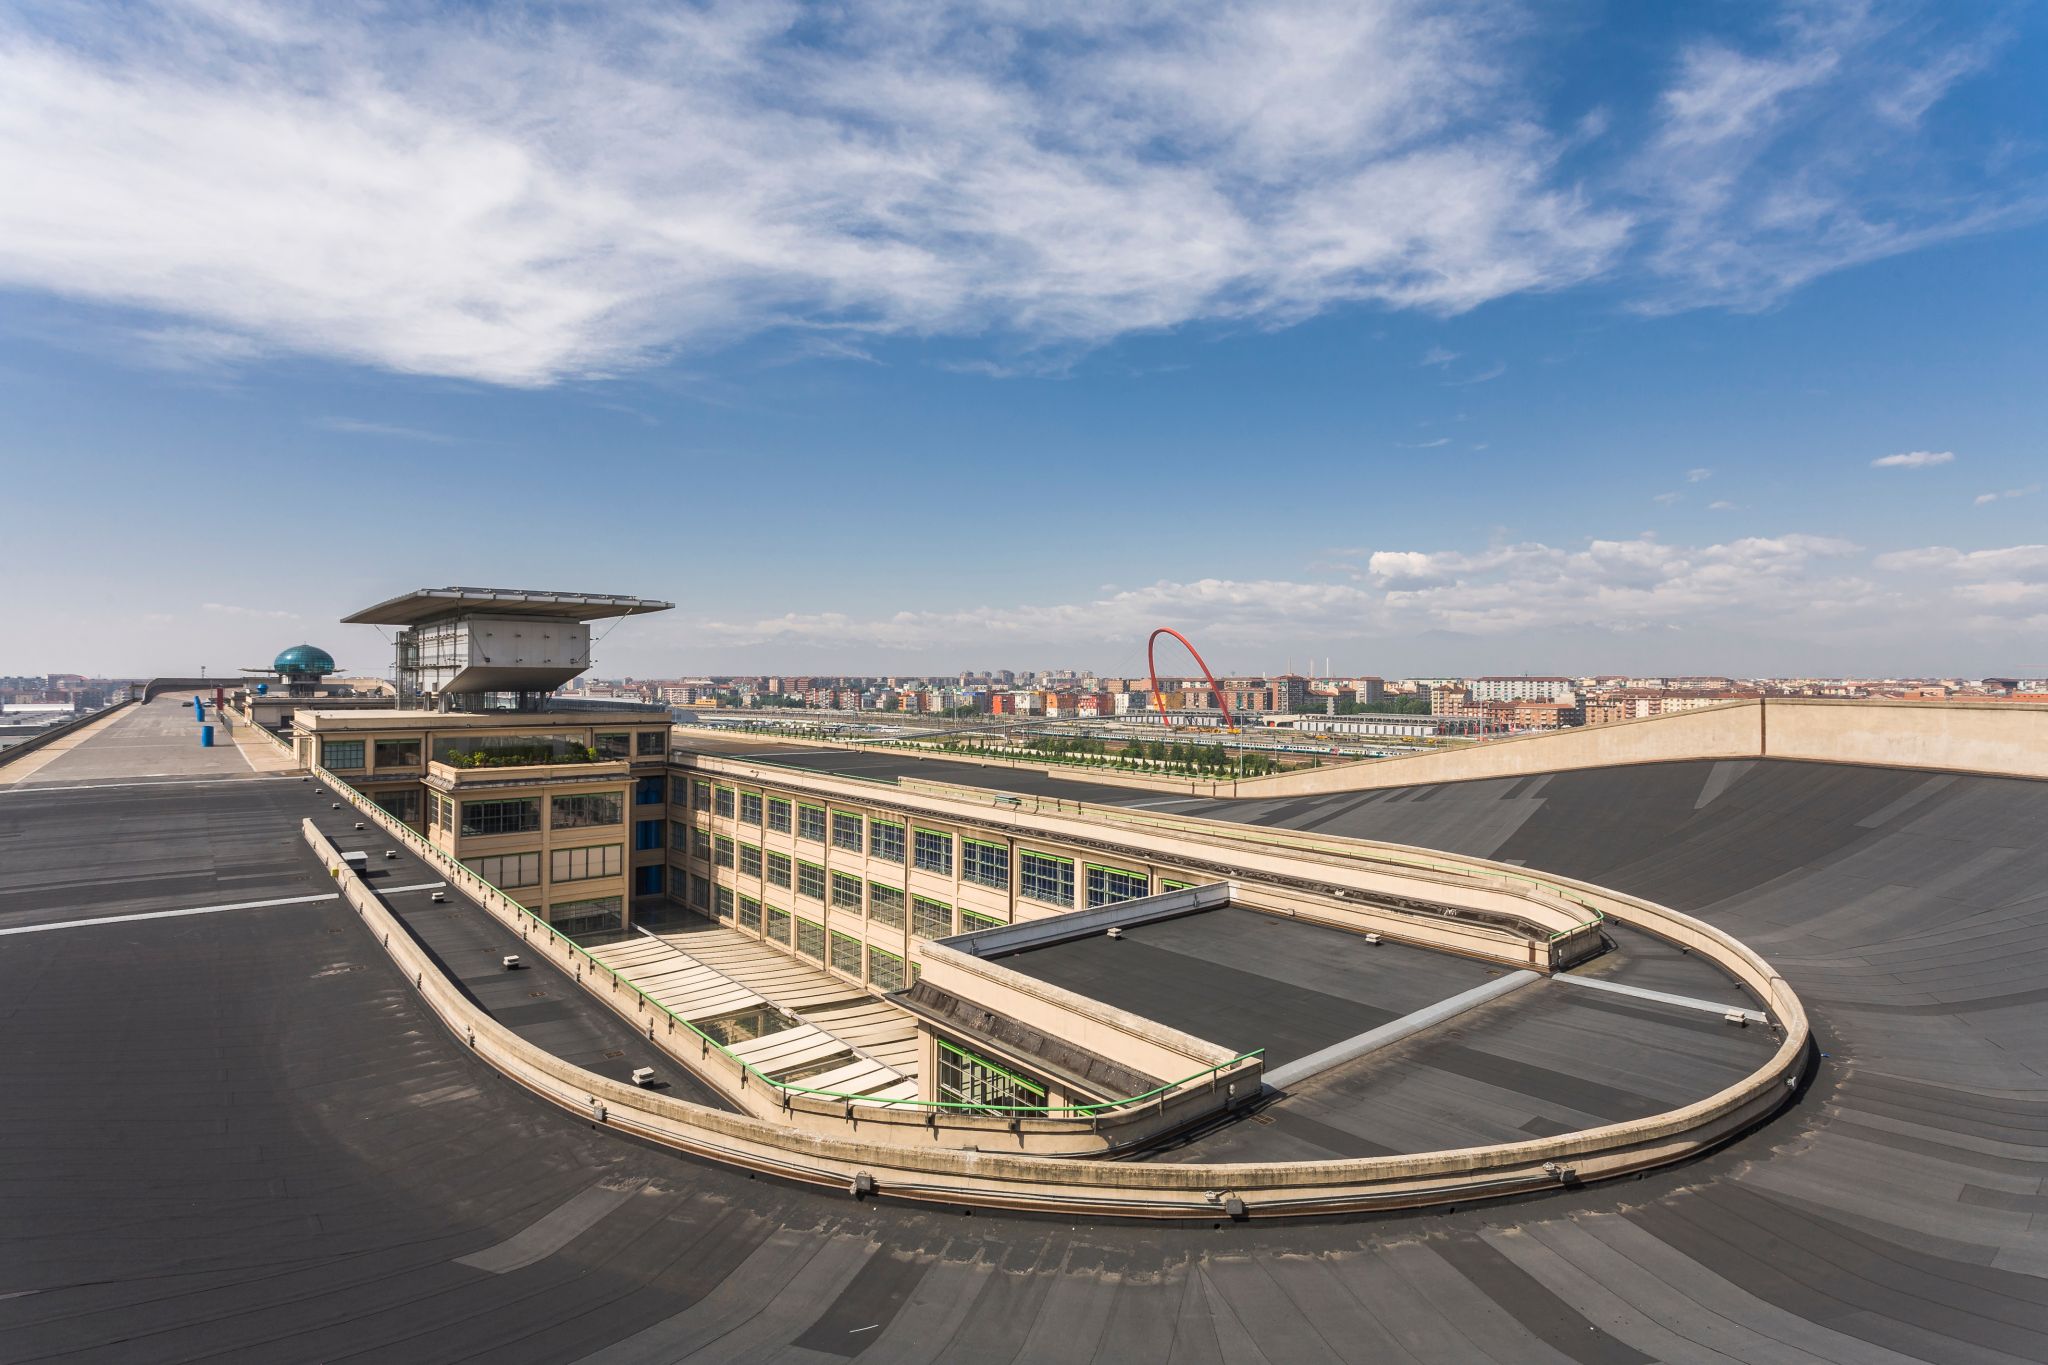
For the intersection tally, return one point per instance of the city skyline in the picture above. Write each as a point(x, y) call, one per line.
point(1605, 338)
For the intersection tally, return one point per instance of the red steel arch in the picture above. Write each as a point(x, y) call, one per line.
point(1152, 667)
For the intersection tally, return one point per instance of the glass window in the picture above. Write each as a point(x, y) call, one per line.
point(810, 881)
point(647, 834)
point(610, 746)
point(985, 864)
point(846, 831)
point(400, 805)
point(721, 898)
point(647, 880)
point(722, 851)
point(501, 817)
point(933, 852)
point(652, 742)
point(750, 861)
point(885, 970)
point(1165, 885)
point(750, 913)
point(885, 905)
point(581, 812)
point(507, 871)
point(509, 751)
point(750, 808)
point(700, 795)
point(700, 892)
point(678, 834)
point(778, 869)
point(398, 753)
point(810, 939)
point(846, 954)
point(778, 925)
point(778, 815)
point(930, 918)
point(885, 841)
point(581, 864)
point(587, 917)
point(650, 791)
point(971, 1079)
point(1113, 885)
point(723, 803)
point(971, 920)
point(1042, 877)
point(846, 892)
point(700, 844)
point(679, 792)
point(810, 823)
point(341, 753)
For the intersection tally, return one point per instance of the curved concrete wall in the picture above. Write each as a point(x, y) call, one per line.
point(1995, 738)
point(1017, 1180)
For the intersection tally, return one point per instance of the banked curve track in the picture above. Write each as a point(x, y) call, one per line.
point(320, 1173)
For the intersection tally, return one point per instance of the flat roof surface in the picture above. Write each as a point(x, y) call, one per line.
point(1250, 980)
point(247, 1139)
point(423, 604)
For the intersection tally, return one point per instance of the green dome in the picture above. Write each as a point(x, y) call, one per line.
point(305, 659)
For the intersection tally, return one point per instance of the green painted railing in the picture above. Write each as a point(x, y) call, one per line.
point(454, 868)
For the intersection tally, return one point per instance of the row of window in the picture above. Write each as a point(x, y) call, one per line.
point(521, 815)
point(846, 953)
point(510, 871)
point(344, 755)
point(1042, 877)
point(885, 905)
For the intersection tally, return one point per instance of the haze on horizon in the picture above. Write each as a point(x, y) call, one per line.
point(1430, 338)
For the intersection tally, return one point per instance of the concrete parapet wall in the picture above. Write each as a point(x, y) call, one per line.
point(2002, 739)
point(43, 738)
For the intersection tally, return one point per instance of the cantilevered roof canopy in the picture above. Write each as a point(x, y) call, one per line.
point(426, 604)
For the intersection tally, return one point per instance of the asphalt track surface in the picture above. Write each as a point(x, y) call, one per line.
point(236, 1136)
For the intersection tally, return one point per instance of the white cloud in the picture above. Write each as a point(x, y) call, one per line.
point(350, 426)
point(530, 194)
point(1970, 564)
point(257, 613)
point(1613, 586)
point(1668, 499)
point(1424, 445)
point(1984, 499)
point(1721, 505)
point(1437, 355)
point(522, 194)
point(1802, 150)
point(1698, 475)
point(1485, 376)
point(1914, 459)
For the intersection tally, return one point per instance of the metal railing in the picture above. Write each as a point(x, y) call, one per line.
point(456, 870)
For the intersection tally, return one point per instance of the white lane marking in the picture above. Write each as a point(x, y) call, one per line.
point(169, 914)
point(206, 909)
point(1662, 997)
point(26, 786)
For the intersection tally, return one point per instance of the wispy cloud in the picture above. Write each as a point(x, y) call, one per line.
point(1983, 499)
point(352, 427)
point(1424, 445)
point(1721, 505)
point(1668, 499)
point(1804, 150)
point(1437, 355)
point(521, 194)
point(1914, 459)
point(254, 613)
point(1698, 475)
point(1487, 375)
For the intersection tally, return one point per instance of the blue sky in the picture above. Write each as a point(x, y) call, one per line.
point(1424, 338)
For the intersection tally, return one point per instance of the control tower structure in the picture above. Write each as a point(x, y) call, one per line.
point(492, 649)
